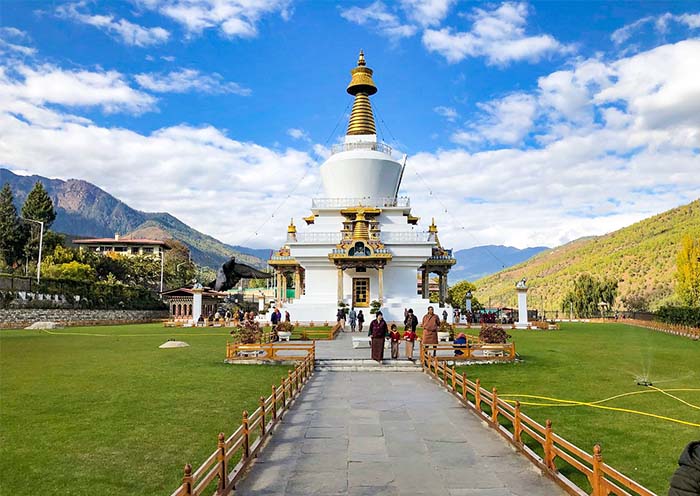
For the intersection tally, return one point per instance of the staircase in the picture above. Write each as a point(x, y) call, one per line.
point(364, 365)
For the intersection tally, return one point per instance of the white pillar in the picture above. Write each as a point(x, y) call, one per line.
point(196, 303)
point(522, 306)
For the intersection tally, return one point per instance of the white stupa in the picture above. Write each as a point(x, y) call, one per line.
point(361, 243)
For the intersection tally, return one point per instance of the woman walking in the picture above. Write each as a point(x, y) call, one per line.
point(360, 320)
point(430, 325)
point(378, 330)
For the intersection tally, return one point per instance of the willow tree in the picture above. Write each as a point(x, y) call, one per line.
point(688, 272)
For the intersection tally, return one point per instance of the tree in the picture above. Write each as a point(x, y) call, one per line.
point(688, 272)
point(587, 293)
point(457, 295)
point(74, 271)
point(39, 206)
point(13, 236)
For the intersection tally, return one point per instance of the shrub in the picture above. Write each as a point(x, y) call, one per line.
point(670, 314)
point(493, 335)
point(285, 327)
point(248, 332)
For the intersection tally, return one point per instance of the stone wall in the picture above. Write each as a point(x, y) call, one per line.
point(22, 317)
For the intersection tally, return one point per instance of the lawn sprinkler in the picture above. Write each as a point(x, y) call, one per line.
point(644, 381)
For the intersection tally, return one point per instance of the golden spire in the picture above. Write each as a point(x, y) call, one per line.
point(433, 227)
point(361, 87)
point(360, 229)
point(291, 229)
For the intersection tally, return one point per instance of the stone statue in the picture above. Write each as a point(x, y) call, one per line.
point(231, 272)
point(521, 284)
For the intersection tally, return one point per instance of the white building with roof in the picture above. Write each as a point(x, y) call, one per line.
point(361, 242)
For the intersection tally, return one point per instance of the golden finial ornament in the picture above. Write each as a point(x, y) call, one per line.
point(361, 87)
point(292, 229)
point(361, 228)
point(433, 227)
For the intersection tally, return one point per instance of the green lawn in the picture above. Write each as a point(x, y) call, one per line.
point(112, 413)
point(591, 362)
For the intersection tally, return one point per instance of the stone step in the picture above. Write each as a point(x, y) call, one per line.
point(364, 365)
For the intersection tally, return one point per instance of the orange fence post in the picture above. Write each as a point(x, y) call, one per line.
point(464, 386)
point(262, 417)
point(187, 480)
point(454, 380)
point(290, 380)
point(422, 358)
point(516, 424)
point(284, 393)
point(274, 402)
point(549, 446)
point(597, 475)
point(221, 458)
point(494, 406)
point(477, 395)
point(246, 439)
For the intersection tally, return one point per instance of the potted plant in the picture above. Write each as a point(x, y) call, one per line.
point(284, 331)
point(445, 333)
point(374, 306)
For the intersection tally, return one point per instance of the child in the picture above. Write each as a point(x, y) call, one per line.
point(410, 337)
point(460, 342)
point(395, 337)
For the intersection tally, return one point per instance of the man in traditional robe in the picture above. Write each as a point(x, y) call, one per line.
point(430, 325)
point(378, 330)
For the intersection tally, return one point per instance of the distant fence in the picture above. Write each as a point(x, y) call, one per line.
point(604, 479)
point(675, 329)
point(233, 455)
point(269, 351)
point(470, 351)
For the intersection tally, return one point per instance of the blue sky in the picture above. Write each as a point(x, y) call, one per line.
point(525, 123)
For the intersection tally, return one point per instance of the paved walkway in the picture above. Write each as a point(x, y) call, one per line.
point(364, 433)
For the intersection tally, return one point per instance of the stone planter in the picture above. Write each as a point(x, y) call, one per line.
point(284, 336)
point(443, 336)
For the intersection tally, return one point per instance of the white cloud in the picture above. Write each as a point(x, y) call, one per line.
point(126, 31)
point(427, 12)
point(504, 121)
point(16, 35)
point(448, 113)
point(186, 80)
point(660, 24)
point(234, 18)
point(378, 17)
point(47, 84)
point(499, 35)
point(298, 134)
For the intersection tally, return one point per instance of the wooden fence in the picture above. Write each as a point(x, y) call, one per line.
point(280, 351)
point(604, 479)
point(675, 329)
point(218, 474)
point(473, 350)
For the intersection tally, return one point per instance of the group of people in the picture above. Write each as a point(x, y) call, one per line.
point(276, 317)
point(356, 320)
point(379, 332)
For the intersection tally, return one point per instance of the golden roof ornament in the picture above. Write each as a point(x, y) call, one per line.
point(361, 87)
point(291, 229)
point(433, 228)
point(360, 229)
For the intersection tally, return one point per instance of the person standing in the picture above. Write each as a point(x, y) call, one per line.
point(410, 337)
point(444, 315)
point(352, 319)
point(378, 330)
point(394, 337)
point(360, 320)
point(340, 317)
point(275, 318)
point(430, 325)
point(287, 317)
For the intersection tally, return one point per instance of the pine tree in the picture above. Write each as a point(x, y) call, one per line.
point(39, 206)
point(688, 272)
point(12, 233)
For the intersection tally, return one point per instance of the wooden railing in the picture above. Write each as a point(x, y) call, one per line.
point(604, 479)
point(279, 351)
point(470, 351)
point(218, 474)
point(675, 329)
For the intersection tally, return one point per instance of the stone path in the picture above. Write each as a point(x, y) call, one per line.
point(364, 433)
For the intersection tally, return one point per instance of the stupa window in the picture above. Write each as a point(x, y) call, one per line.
point(359, 250)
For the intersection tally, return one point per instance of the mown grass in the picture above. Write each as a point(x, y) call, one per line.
point(111, 413)
point(591, 362)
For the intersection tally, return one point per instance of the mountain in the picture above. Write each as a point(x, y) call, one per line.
point(641, 257)
point(481, 261)
point(83, 209)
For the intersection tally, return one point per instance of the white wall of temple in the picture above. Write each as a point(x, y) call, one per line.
point(360, 173)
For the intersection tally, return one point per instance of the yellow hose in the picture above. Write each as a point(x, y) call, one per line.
point(123, 335)
point(596, 404)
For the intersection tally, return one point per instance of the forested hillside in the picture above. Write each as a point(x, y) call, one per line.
point(641, 257)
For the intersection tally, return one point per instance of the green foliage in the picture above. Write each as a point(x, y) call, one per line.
point(374, 306)
point(12, 234)
point(39, 206)
point(636, 302)
point(457, 295)
point(688, 271)
point(588, 293)
point(689, 316)
point(74, 271)
point(257, 283)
